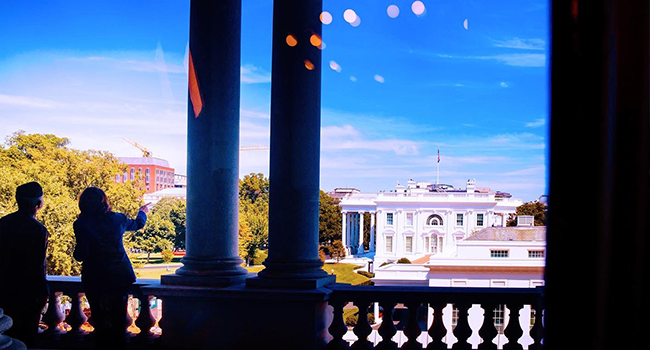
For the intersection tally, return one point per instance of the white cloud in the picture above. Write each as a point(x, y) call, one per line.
point(29, 102)
point(513, 59)
point(537, 123)
point(522, 44)
point(347, 137)
point(379, 78)
point(251, 74)
point(504, 84)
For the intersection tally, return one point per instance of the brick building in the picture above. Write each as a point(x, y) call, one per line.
point(156, 172)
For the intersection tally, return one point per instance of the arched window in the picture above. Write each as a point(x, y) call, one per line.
point(434, 220)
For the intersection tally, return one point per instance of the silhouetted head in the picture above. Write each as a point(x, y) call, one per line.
point(29, 197)
point(93, 202)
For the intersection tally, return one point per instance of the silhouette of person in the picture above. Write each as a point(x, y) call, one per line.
point(23, 245)
point(106, 271)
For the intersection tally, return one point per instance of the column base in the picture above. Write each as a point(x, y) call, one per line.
point(240, 318)
point(305, 274)
point(206, 280)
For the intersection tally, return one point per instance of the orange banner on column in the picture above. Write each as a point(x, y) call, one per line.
point(195, 93)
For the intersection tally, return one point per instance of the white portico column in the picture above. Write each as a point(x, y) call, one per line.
point(371, 246)
point(360, 250)
point(503, 219)
point(344, 221)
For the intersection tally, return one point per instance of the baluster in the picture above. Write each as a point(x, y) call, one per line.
point(76, 318)
point(129, 320)
point(338, 328)
point(462, 332)
point(513, 331)
point(53, 316)
point(537, 332)
point(145, 319)
point(437, 330)
point(387, 329)
point(412, 330)
point(362, 329)
point(488, 331)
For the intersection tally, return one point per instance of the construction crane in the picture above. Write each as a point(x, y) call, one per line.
point(145, 152)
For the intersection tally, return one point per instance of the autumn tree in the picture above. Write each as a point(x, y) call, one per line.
point(536, 209)
point(337, 250)
point(64, 173)
point(254, 211)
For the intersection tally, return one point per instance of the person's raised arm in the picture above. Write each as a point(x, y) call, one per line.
point(140, 220)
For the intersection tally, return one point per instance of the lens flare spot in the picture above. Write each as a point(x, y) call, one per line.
point(291, 40)
point(379, 78)
point(326, 17)
point(465, 24)
point(353, 78)
point(418, 8)
point(356, 22)
point(315, 40)
point(335, 66)
point(393, 11)
point(309, 65)
point(349, 15)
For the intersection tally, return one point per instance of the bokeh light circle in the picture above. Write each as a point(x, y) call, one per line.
point(291, 40)
point(326, 17)
point(356, 22)
point(418, 7)
point(315, 40)
point(393, 11)
point(350, 16)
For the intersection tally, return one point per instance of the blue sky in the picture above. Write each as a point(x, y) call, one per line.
point(99, 71)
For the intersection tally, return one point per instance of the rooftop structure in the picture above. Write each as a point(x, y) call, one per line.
point(156, 172)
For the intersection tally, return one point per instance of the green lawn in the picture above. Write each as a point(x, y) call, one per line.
point(344, 272)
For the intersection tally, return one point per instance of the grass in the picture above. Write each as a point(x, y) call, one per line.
point(344, 272)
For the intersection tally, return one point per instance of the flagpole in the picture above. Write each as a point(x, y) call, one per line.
point(438, 173)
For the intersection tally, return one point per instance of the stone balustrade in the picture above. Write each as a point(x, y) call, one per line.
point(413, 298)
point(67, 331)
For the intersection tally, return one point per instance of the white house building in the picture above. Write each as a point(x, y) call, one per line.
point(421, 219)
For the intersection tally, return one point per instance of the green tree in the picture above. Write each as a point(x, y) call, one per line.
point(536, 209)
point(329, 221)
point(156, 236)
point(253, 187)
point(254, 211)
point(63, 173)
point(174, 210)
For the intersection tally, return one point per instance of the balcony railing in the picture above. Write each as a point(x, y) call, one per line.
point(68, 331)
point(436, 298)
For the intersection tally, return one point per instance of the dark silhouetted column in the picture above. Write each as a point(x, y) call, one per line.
point(295, 147)
point(213, 146)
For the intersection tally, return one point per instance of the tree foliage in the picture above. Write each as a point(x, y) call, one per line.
point(536, 209)
point(329, 223)
point(253, 215)
point(158, 235)
point(63, 173)
point(337, 250)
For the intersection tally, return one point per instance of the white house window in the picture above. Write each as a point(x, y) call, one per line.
point(389, 218)
point(440, 241)
point(499, 319)
point(535, 253)
point(499, 253)
point(132, 173)
point(434, 245)
point(408, 244)
point(426, 244)
point(147, 175)
point(389, 244)
point(459, 219)
point(409, 219)
point(434, 220)
point(479, 219)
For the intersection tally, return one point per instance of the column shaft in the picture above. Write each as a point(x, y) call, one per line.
point(213, 140)
point(360, 250)
point(371, 246)
point(295, 143)
point(344, 232)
